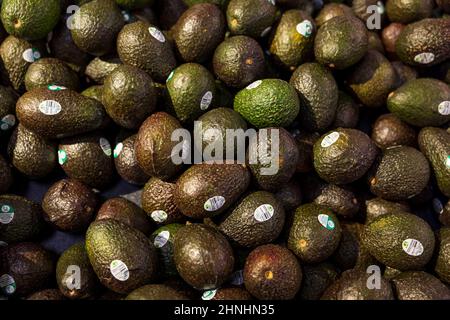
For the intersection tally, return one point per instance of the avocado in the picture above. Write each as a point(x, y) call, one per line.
point(340, 200)
point(8, 100)
point(272, 157)
point(134, 4)
point(56, 113)
point(84, 287)
point(20, 218)
point(372, 79)
point(87, 158)
point(163, 239)
point(127, 212)
point(305, 142)
point(154, 148)
point(32, 19)
point(318, 94)
point(30, 154)
point(232, 293)
point(159, 203)
point(99, 69)
point(47, 294)
point(129, 96)
point(404, 73)
point(155, 292)
point(253, 18)
point(331, 10)
point(27, 267)
point(316, 279)
point(126, 163)
point(272, 272)
point(96, 25)
point(419, 285)
point(389, 131)
point(95, 92)
point(343, 155)
point(144, 46)
point(424, 43)
point(239, 61)
point(400, 174)
point(6, 177)
point(206, 190)
point(315, 233)
point(293, 41)
point(442, 266)
point(435, 144)
point(258, 219)
point(421, 102)
point(212, 262)
point(289, 195)
point(198, 32)
point(341, 42)
point(191, 91)
point(377, 207)
point(389, 36)
point(122, 257)
point(401, 241)
point(347, 112)
point(268, 103)
point(409, 11)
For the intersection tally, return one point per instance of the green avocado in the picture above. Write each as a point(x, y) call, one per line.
point(50, 71)
point(389, 131)
point(409, 11)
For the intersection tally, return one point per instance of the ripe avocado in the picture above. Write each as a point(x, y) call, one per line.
point(156, 292)
point(50, 71)
point(347, 112)
point(442, 266)
point(390, 35)
point(419, 285)
point(316, 279)
point(340, 200)
point(98, 69)
point(331, 10)
point(377, 207)
point(389, 131)
point(6, 177)
point(409, 11)
point(163, 239)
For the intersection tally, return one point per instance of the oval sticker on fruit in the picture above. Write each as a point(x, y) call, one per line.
point(264, 212)
point(161, 239)
point(330, 139)
point(6, 214)
point(412, 247)
point(158, 35)
point(7, 284)
point(214, 203)
point(305, 28)
point(326, 221)
point(50, 107)
point(119, 270)
point(7, 122)
point(424, 58)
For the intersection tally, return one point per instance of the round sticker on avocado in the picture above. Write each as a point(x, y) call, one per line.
point(214, 203)
point(208, 295)
point(50, 107)
point(254, 85)
point(106, 146)
point(412, 247)
point(330, 139)
point(326, 221)
point(158, 35)
point(7, 284)
point(7, 122)
point(31, 55)
point(264, 212)
point(161, 239)
point(170, 76)
point(444, 108)
point(206, 100)
point(118, 149)
point(424, 58)
point(305, 28)
point(6, 214)
point(62, 157)
point(159, 216)
point(119, 270)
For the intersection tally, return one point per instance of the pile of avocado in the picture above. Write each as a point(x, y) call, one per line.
point(352, 98)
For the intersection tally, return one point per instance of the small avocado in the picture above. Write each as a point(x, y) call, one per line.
point(289, 195)
point(96, 25)
point(343, 155)
point(419, 285)
point(316, 279)
point(401, 241)
point(159, 203)
point(6, 177)
point(442, 266)
point(347, 112)
point(198, 32)
point(8, 99)
point(155, 292)
point(268, 103)
point(389, 36)
point(400, 174)
point(87, 285)
point(435, 144)
point(409, 11)
point(100, 68)
point(377, 207)
point(389, 131)
point(340, 200)
point(126, 211)
point(213, 261)
point(206, 190)
point(315, 233)
point(331, 10)
point(47, 295)
point(163, 239)
point(272, 272)
point(341, 42)
point(20, 218)
point(318, 94)
point(239, 61)
point(236, 294)
point(122, 257)
point(87, 158)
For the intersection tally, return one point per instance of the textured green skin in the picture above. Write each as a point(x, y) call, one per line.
point(213, 261)
point(166, 253)
point(417, 101)
point(318, 94)
point(50, 71)
point(127, 166)
point(8, 100)
point(36, 17)
point(94, 92)
point(30, 265)
point(384, 236)
point(76, 255)
point(153, 146)
point(156, 292)
point(331, 10)
point(288, 47)
point(27, 223)
point(340, 200)
point(6, 178)
point(372, 79)
point(189, 83)
point(408, 11)
point(242, 228)
point(352, 285)
point(198, 32)
point(274, 103)
point(108, 240)
point(243, 19)
point(159, 195)
point(347, 160)
point(86, 161)
point(127, 212)
point(137, 47)
point(419, 285)
point(232, 293)
point(442, 266)
point(98, 23)
point(285, 268)
point(427, 35)
point(32, 155)
point(388, 131)
point(202, 181)
point(287, 159)
point(316, 279)
point(72, 119)
point(341, 42)
point(134, 4)
point(129, 96)
point(377, 207)
point(435, 144)
point(47, 294)
point(320, 242)
point(98, 69)
point(347, 112)
point(239, 61)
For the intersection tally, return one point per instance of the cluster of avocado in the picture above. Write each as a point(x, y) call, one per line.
point(358, 92)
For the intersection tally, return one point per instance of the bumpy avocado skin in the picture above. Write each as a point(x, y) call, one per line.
point(155, 292)
point(419, 285)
